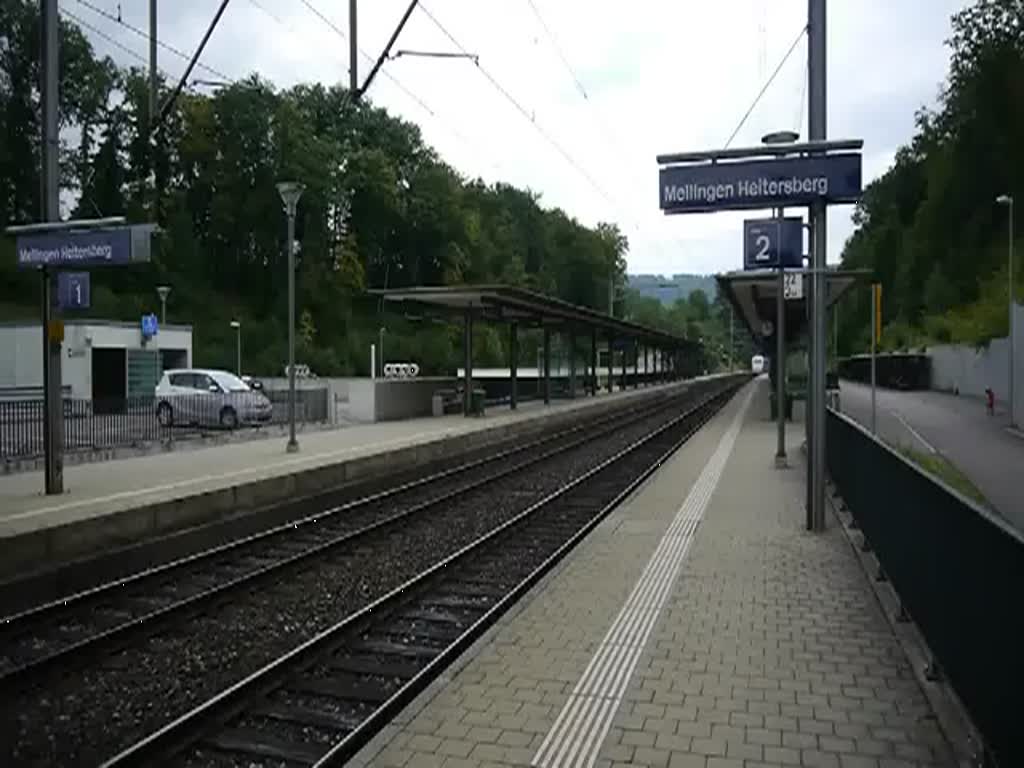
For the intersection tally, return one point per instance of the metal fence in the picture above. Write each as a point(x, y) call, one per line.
point(894, 370)
point(957, 568)
point(135, 421)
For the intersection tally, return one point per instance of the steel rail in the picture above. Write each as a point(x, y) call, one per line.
point(191, 726)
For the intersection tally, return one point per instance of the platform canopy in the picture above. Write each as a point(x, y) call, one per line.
point(502, 303)
point(754, 293)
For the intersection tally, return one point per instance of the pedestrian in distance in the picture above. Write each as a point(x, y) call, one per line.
point(990, 401)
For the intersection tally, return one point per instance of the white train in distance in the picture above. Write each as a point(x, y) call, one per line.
point(401, 370)
point(757, 363)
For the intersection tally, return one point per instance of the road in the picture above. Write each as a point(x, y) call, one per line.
point(979, 445)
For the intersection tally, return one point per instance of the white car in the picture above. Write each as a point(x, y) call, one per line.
point(208, 398)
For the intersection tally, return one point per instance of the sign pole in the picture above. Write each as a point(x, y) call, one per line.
point(53, 411)
point(780, 368)
point(817, 129)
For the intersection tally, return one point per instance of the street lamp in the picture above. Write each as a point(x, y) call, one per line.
point(381, 342)
point(163, 291)
point(238, 346)
point(1007, 200)
point(290, 192)
point(780, 137)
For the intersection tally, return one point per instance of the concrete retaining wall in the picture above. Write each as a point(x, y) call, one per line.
point(393, 399)
point(969, 370)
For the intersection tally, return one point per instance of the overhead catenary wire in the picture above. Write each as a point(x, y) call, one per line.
point(609, 135)
point(103, 35)
point(145, 36)
point(166, 108)
point(764, 88)
point(522, 110)
point(409, 93)
point(558, 50)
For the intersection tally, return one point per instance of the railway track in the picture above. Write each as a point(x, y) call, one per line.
point(75, 629)
point(319, 703)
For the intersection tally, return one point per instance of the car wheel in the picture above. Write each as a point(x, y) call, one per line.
point(228, 418)
point(165, 415)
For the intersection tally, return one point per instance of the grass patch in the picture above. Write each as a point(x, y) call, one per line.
point(936, 464)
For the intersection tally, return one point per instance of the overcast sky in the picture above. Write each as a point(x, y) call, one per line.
point(653, 76)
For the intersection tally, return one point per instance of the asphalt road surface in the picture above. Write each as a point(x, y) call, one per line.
point(979, 445)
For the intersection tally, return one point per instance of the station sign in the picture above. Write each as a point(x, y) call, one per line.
point(785, 181)
point(771, 243)
point(73, 290)
point(86, 248)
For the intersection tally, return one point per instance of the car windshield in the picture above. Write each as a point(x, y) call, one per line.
point(229, 382)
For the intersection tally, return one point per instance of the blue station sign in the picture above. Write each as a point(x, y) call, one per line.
point(770, 243)
point(786, 181)
point(85, 248)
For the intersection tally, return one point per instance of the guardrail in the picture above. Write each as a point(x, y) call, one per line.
point(134, 421)
point(958, 570)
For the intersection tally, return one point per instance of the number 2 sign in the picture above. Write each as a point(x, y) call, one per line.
point(767, 243)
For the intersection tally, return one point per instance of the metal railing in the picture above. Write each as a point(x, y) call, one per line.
point(135, 421)
point(958, 570)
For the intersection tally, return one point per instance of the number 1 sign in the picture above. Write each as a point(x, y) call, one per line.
point(73, 290)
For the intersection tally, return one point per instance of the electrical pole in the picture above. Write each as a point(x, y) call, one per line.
point(53, 406)
point(818, 131)
point(153, 104)
point(353, 49)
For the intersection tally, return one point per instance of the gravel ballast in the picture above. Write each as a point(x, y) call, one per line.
point(87, 715)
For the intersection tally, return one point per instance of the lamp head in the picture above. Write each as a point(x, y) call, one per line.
point(1004, 200)
point(780, 137)
point(163, 291)
point(235, 324)
point(290, 192)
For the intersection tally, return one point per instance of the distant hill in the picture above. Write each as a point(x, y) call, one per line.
point(668, 289)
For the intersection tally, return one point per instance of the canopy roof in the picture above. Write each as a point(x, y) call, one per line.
point(502, 303)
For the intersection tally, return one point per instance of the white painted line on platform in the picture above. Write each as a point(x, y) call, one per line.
point(576, 737)
point(193, 481)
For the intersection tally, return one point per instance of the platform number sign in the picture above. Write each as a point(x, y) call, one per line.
point(73, 290)
point(770, 243)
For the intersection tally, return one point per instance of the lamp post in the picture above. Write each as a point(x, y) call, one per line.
point(1007, 200)
point(163, 291)
point(290, 192)
point(238, 346)
point(380, 350)
point(780, 137)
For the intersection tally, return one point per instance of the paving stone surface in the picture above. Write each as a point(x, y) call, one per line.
point(770, 649)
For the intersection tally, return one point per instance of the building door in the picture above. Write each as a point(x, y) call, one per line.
point(108, 379)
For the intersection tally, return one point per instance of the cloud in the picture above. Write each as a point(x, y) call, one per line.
point(657, 77)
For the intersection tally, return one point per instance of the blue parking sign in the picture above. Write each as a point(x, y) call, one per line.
point(149, 326)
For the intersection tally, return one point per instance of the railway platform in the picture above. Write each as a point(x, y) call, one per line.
point(698, 626)
point(119, 502)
